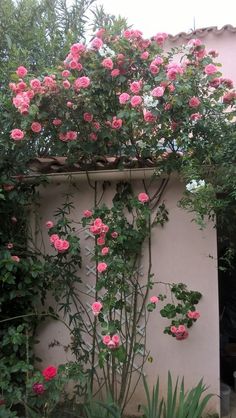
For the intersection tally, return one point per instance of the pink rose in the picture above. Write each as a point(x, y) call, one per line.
point(96, 308)
point(210, 69)
point(96, 43)
point(53, 238)
point(114, 234)
point(15, 258)
point(49, 224)
point(69, 104)
point(195, 116)
point(97, 126)
point(35, 84)
point(61, 245)
point(115, 72)
point(136, 101)
point(181, 328)
point(194, 102)
point(76, 49)
point(111, 344)
point(158, 60)
point(144, 55)
point(87, 213)
point(57, 122)
point(36, 127)
point(21, 85)
point(101, 267)
point(66, 84)
point(136, 86)
point(173, 329)
point(143, 197)
point(106, 339)
point(49, 373)
point(160, 38)
point(181, 336)
point(107, 63)
point(66, 73)
point(9, 245)
point(116, 123)
point(116, 339)
point(193, 314)
point(98, 222)
point(93, 136)
point(73, 64)
point(88, 117)
point(124, 98)
point(100, 32)
point(100, 241)
point(38, 388)
point(148, 116)
point(21, 71)
point(158, 91)
point(71, 135)
point(154, 69)
point(105, 250)
point(82, 82)
point(17, 134)
point(154, 299)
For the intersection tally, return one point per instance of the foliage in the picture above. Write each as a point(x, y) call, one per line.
point(178, 403)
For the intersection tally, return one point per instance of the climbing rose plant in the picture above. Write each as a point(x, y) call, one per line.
point(124, 96)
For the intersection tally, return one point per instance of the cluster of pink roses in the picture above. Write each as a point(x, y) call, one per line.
point(180, 332)
point(193, 314)
point(61, 245)
point(111, 342)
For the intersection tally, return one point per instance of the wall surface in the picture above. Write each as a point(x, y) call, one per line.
point(180, 253)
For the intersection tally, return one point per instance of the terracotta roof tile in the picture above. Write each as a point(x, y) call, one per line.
point(202, 32)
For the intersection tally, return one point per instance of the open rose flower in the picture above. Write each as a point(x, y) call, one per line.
point(36, 127)
point(154, 299)
point(124, 98)
point(105, 250)
point(143, 197)
point(194, 102)
point(17, 134)
point(15, 258)
point(96, 308)
point(38, 388)
point(87, 213)
point(193, 314)
point(49, 373)
point(49, 224)
point(61, 245)
point(101, 267)
point(21, 71)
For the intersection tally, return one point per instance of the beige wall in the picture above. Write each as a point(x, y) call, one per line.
point(181, 253)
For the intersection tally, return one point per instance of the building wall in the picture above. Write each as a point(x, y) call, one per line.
point(181, 252)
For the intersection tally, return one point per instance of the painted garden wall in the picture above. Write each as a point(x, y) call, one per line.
point(181, 252)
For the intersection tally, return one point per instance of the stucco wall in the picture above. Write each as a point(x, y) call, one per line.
point(180, 253)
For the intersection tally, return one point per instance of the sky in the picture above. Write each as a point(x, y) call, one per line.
point(172, 16)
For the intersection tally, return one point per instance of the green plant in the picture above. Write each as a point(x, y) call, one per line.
point(177, 403)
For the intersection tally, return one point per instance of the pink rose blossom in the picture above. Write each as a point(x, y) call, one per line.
point(96, 308)
point(111, 344)
point(158, 60)
point(93, 136)
point(82, 82)
point(158, 91)
point(106, 339)
point(144, 55)
point(49, 81)
point(107, 63)
point(36, 127)
point(96, 43)
point(98, 222)
point(87, 213)
point(114, 234)
point(195, 116)
point(148, 116)
point(96, 126)
point(100, 33)
point(181, 335)
point(101, 267)
point(66, 84)
point(136, 101)
point(154, 299)
point(181, 328)
point(115, 72)
point(71, 135)
point(124, 98)
point(21, 71)
point(76, 49)
point(88, 117)
point(17, 134)
point(61, 245)
point(21, 85)
point(105, 250)
point(193, 314)
point(136, 86)
point(210, 69)
point(53, 238)
point(57, 122)
point(66, 73)
point(49, 372)
point(194, 102)
point(160, 38)
point(101, 241)
point(9, 246)
point(38, 388)
point(49, 224)
point(35, 84)
point(154, 69)
point(173, 329)
point(15, 258)
point(116, 123)
point(143, 197)
point(73, 64)
point(69, 104)
point(116, 339)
